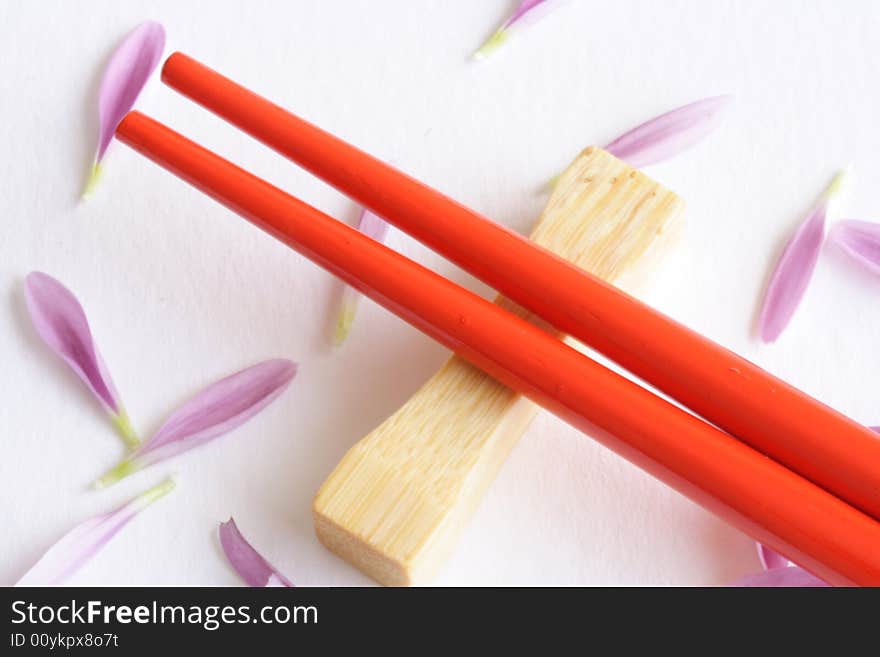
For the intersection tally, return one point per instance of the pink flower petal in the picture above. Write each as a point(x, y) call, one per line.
point(771, 559)
point(860, 240)
point(216, 410)
point(126, 74)
point(669, 134)
point(248, 563)
point(788, 576)
point(373, 226)
point(61, 322)
point(527, 13)
point(84, 541)
point(795, 267)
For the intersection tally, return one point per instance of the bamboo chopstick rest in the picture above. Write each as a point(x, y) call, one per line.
point(395, 505)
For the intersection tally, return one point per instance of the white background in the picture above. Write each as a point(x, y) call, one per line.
point(180, 292)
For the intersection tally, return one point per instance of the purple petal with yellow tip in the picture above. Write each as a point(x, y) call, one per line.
point(669, 134)
point(787, 576)
point(860, 240)
point(248, 563)
point(377, 228)
point(216, 410)
point(527, 13)
point(61, 322)
point(84, 541)
point(795, 267)
point(126, 74)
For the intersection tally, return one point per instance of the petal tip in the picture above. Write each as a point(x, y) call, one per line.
point(769, 329)
point(344, 324)
point(116, 474)
point(288, 369)
point(95, 176)
point(159, 490)
point(840, 184)
point(493, 43)
point(769, 338)
point(125, 429)
point(859, 241)
point(724, 101)
point(39, 282)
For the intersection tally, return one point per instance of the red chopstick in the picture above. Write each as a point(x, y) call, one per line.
point(774, 505)
point(733, 393)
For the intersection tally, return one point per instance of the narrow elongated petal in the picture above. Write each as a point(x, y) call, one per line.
point(787, 576)
point(61, 323)
point(85, 540)
point(860, 240)
point(527, 13)
point(216, 410)
point(248, 563)
point(375, 227)
point(795, 267)
point(771, 559)
point(669, 134)
point(127, 72)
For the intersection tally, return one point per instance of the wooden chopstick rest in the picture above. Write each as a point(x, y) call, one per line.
point(396, 504)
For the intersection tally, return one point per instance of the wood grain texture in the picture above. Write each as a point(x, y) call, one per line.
point(397, 502)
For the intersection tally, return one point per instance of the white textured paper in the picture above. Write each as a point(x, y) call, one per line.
point(180, 291)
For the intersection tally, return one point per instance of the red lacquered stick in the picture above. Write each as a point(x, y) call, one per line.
point(764, 411)
point(761, 497)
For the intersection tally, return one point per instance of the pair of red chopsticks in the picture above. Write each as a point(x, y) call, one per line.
point(789, 471)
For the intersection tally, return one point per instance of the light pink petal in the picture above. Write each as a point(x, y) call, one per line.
point(796, 265)
point(528, 12)
point(860, 240)
point(669, 134)
point(373, 226)
point(129, 68)
point(216, 410)
point(84, 541)
point(248, 563)
point(792, 275)
point(222, 406)
point(790, 576)
point(771, 559)
point(61, 322)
